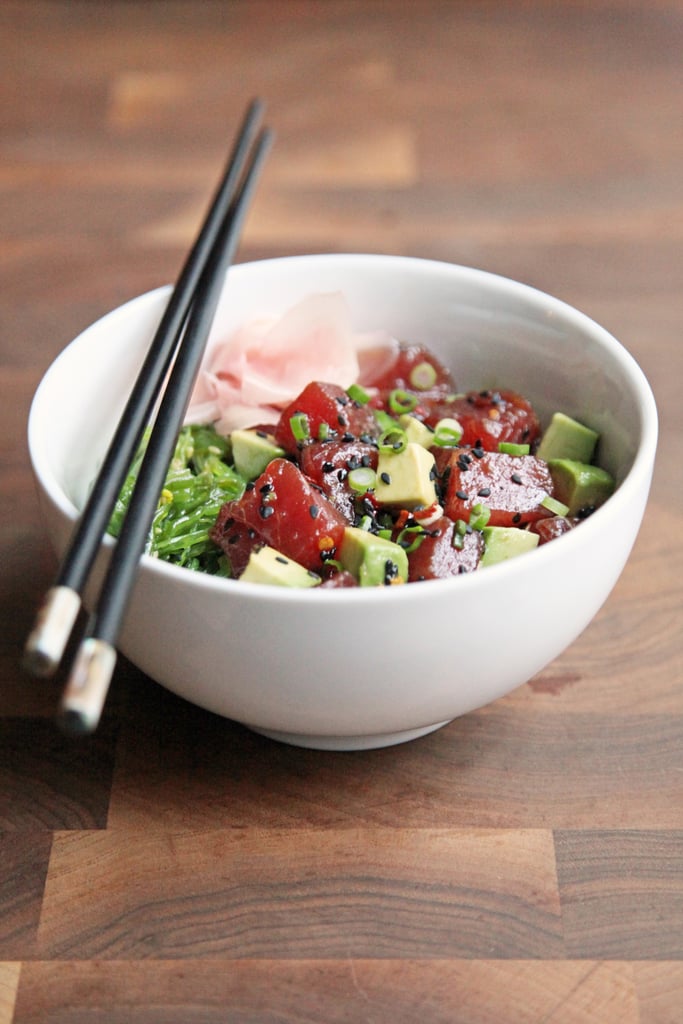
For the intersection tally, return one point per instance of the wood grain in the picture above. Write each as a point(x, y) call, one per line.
point(523, 864)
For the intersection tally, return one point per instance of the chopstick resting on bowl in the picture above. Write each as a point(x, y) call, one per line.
point(178, 345)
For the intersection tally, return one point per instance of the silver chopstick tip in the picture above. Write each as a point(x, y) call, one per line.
point(50, 634)
point(87, 687)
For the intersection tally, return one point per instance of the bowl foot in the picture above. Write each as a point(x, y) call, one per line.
point(369, 742)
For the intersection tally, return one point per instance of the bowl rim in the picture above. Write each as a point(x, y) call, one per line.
point(637, 476)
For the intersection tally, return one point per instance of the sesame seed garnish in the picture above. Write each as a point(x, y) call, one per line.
point(484, 492)
point(517, 517)
point(313, 511)
point(282, 559)
point(265, 511)
point(327, 467)
point(516, 478)
point(462, 495)
point(385, 478)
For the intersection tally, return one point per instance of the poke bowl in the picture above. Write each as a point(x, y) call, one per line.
point(366, 666)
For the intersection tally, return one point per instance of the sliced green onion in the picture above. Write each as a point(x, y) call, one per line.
point(299, 426)
point(401, 401)
point(358, 394)
point(447, 433)
point(461, 527)
point(554, 506)
point(458, 539)
point(365, 524)
point(323, 431)
point(479, 516)
point(362, 479)
point(384, 420)
point(384, 534)
point(392, 441)
point(423, 376)
point(508, 448)
point(413, 535)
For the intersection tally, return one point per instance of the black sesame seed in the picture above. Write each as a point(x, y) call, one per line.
point(341, 475)
point(265, 511)
point(353, 463)
point(327, 467)
point(348, 437)
point(366, 461)
point(517, 518)
point(341, 399)
point(250, 486)
point(385, 478)
point(251, 533)
point(261, 433)
point(282, 559)
point(266, 488)
point(313, 511)
point(484, 492)
point(462, 495)
point(516, 478)
point(342, 420)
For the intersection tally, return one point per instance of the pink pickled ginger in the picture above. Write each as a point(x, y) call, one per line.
point(248, 378)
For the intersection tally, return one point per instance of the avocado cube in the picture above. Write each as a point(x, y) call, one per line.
point(252, 450)
point(566, 438)
point(374, 561)
point(266, 565)
point(504, 542)
point(416, 431)
point(579, 485)
point(406, 479)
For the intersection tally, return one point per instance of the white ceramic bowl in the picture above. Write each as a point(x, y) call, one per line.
point(350, 669)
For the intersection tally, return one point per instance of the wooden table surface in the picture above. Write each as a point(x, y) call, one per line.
point(523, 864)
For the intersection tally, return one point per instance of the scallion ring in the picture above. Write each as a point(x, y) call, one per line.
point(299, 426)
point(401, 401)
point(392, 441)
point(362, 479)
point(447, 433)
point(358, 394)
point(414, 535)
point(479, 516)
point(508, 448)
point(423, 376)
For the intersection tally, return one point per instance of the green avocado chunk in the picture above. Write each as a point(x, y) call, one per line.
point(578, 485)
point(252, 450)
point(266, 565)
point(406, 479)
point(503, 542)
point(566, 438)
point(416, 431)
point(373, 560)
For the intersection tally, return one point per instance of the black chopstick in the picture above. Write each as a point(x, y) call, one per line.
point(95, 659)
point(57, 616)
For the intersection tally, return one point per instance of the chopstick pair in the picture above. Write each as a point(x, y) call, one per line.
point(178, 346)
